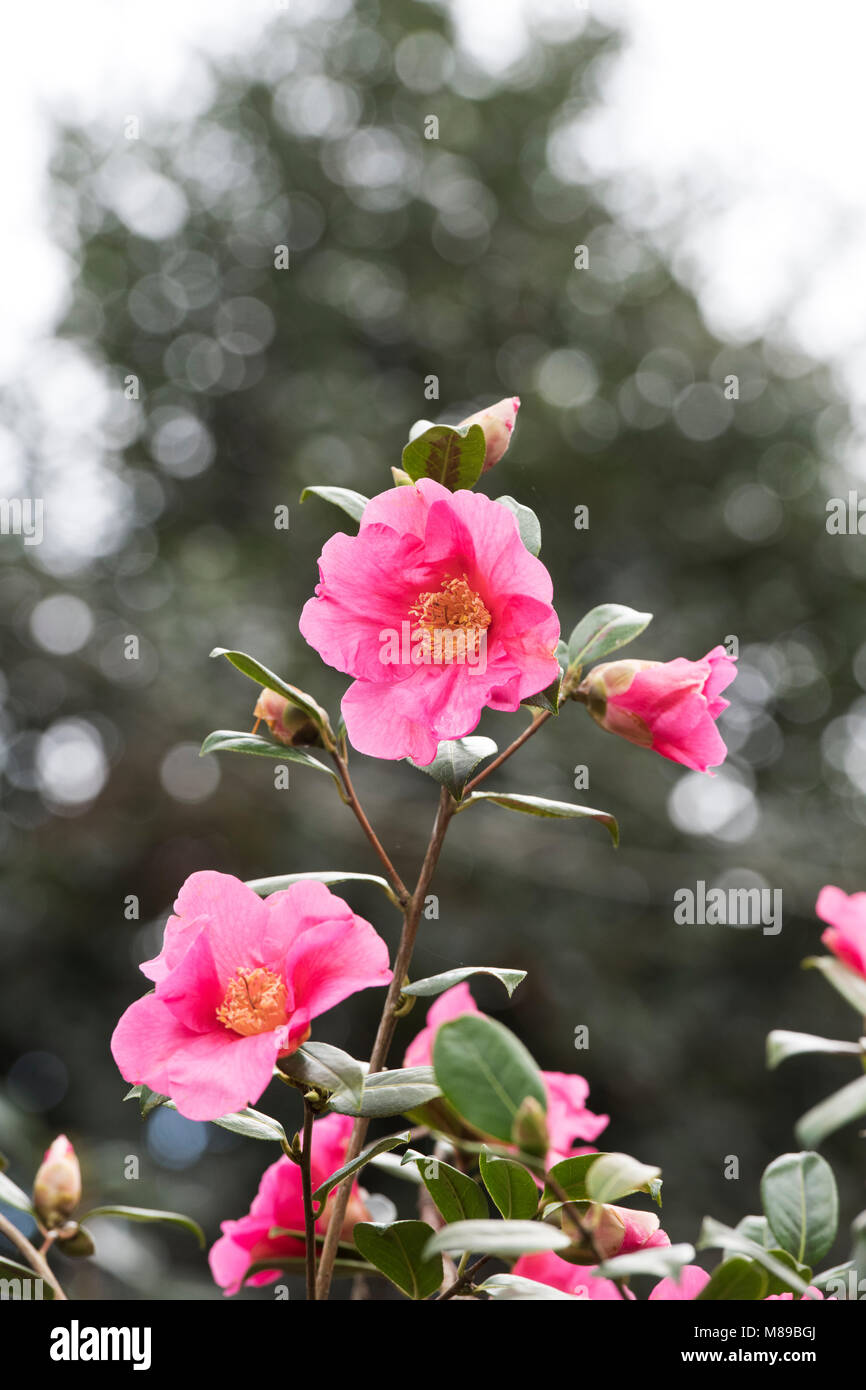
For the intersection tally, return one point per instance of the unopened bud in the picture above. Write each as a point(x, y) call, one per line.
point(57, 1187)
point(600, 688)
point(287, 723)
point(609, 1231)
point(529, 1130)
point(497, 422)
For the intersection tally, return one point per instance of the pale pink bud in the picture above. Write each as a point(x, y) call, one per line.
point(57, 1187)
point(287, 723)
point(497, 422)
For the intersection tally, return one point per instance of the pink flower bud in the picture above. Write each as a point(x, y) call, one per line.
point(846, 933)
point(614, 1231)
point(57, 1187)
point(497, 422)
point(669, 706)
point(287, 723)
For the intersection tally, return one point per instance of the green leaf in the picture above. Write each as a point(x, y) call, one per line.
point(852, 987)
point(831, 1114)
point(265, 886)
point(457, 1197)
point(527, 523)
point(804, 1272)
point(570, 1175)
point(485, 1073)
point(507, 1238)
point(841, 1273)
point(541, 806)
point(504, 1287)
point(616, 1175)
point(372, 1151)
point(262, 676)
point(353, 503)
point(13, 1196)
point(236, 741)
point(455, 761)
point(148, 1100)
point(755, 1228)
point(11, 1269)
point(296, 1264)
point(170, 1218)
point(513, 1189)
point(801, 1204)
point(662, 1262)
point(437, 984)
point(547, 699)
point(320, 1064)
point(252, 1124)
point(716, 1236)
point(604, 630)
point(398, 1250)
point(451, 455)
point(781, 1044)
point(737, 1278)
point(79, 1245)
point(388, 1093)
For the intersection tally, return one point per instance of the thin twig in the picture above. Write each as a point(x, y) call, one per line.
point(31, 1255)
point(309, 1214)
point(352, 798)
point(463, 1280)
point(540, 718)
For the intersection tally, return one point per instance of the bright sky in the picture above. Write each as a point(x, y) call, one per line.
point(742, 124)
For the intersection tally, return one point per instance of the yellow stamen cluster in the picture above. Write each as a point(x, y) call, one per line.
point(255, 1002)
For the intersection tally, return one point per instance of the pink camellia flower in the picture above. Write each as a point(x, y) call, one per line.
point(568, 1119)
point(57, 1185)
point(497, 422)
point(279, 1205)
point(692, 1279)
point(578, 1280)
point(439, 611)
point(238, 981)
point(846, 934)
point(623, 1230)
point(811, 1292)
point(669, 706)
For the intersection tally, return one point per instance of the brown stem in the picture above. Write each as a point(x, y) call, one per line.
point(387, 1025)
point(401, 890)
point(464, 1280)
point(309, 1214)
point(31, 1255)
point(570, 1210)
point(540, 718)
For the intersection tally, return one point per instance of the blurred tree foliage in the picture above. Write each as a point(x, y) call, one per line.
point(412, 258)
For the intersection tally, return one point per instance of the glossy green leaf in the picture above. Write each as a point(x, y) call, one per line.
point(352, 503)
point(570, 1175)
point(662, 1262)
point(604, 630)
point(777, 1285)
point(801, 1204)
point(364, 1157)
point(388, 1093)
point(506, 1238)
point(547, 699)
point(13, 1196)
point(320, 1064)
point(541, 806)
point(485, 1072)
point(831, 1114)
point(513, 1189)
point(505, 1287)
point(252, 1124)
point(527, 523)
point(235, 741)
point(451, 455)
point(148, 1100)
point(737, 1278)
point(437, 984)
point(398, 1251)
point(170, 1218)
point(716, 1236)
point(248, 666)
point(851, 986)
point(279, 882)
point(616, 1175)
point(781, 1044)
point(11, 1269)
point(457, 1197)
point(78, 1246)
point(455, 761)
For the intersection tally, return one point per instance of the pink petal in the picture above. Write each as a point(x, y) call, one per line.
point(325, 966)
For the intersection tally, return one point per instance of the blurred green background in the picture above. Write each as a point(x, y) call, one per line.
point(410, 258)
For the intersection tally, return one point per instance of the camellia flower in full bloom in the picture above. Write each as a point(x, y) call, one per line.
point(238, 981)
point(279, 1204)
point(669, 706)
point(438, 610)
point(568, 1119)
point(846, 934)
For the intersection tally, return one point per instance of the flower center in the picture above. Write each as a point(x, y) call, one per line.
point(254, 1003)
point(453, 605)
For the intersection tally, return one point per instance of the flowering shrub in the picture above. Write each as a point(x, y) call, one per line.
point(439, 608)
